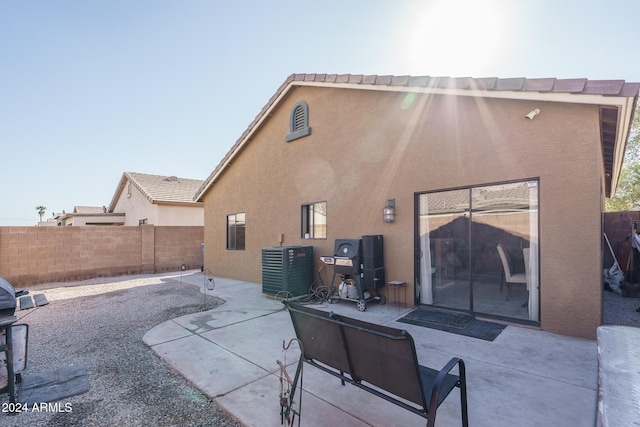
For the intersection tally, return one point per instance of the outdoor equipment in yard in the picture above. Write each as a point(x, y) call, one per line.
point(360, 265)
point(30, 389)
point(613, 276)
point(287, 271)
point(377, 359)
point(8, 297)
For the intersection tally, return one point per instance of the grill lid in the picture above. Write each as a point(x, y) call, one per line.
point(7, 298)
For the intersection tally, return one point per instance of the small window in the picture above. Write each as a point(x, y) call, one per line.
point(299, 122)
point(235, 232)
point(143, 221)
point(314, 221)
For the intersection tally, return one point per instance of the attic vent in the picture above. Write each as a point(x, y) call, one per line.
point(171, 178)
point(298, 122)
point(299, 117)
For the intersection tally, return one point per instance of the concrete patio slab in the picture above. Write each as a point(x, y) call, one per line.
point(259, 340)
point(259, 407)
point(208, 366)
point(525, 377)
point(165, 332)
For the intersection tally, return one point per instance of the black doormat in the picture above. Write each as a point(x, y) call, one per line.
point(455, 323)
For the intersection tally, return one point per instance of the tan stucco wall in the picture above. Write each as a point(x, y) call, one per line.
point(93, 219)
point(180, 215)
point(135, 206)
point(368, 146)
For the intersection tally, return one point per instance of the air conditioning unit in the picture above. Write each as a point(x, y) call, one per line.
point(287, 271)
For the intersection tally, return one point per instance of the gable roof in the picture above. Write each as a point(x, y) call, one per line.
point(617, 99)
point(159, 189)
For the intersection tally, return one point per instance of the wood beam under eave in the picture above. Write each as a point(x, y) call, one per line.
point(608, 135)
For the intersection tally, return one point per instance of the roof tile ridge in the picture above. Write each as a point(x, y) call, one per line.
point(139, 186)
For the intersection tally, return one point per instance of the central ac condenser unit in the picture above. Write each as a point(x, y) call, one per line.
point(287, 271)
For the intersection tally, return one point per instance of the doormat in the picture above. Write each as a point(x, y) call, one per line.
point(455, 323)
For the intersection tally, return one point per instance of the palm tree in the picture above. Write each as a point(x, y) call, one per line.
point(41, 210)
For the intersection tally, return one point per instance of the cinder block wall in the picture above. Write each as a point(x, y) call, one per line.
point(177, 246)
point(33, 255)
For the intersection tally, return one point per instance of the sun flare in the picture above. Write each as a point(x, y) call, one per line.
point(455, 37)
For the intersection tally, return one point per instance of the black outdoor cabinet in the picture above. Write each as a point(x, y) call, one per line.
point(373, 273)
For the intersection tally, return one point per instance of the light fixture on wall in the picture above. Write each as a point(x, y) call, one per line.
point(532, 114)
point(389, 211)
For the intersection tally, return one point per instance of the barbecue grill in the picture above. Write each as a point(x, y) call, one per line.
point(40, 388)
point(13, 341)
point(8, 298)
point(354, 260)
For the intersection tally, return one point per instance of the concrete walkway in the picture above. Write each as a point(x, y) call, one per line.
point(523, 378)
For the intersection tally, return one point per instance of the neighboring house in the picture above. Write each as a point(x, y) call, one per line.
point(89, 215)
point(158, 200)
point(463, 164)
point(50, 222)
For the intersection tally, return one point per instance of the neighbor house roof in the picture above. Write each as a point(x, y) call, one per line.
point(616, 99)
point(89, 209)
point(159, 189)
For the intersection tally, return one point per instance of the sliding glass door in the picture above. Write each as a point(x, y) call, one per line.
point(478, 249)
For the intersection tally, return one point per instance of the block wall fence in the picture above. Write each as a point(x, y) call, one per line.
point(35, 255)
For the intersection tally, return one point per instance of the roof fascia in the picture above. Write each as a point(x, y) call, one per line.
point(573, 98)
point(119, 189)
point(625, 121)
point(140, 187)
point(180, 204)
point(621, 102)
point(239, 146)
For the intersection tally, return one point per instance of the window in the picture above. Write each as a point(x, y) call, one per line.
point(143, 221)
point(235, 231)
point(314, 221)
point(299, 122)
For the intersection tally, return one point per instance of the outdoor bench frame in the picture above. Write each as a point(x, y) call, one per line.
point(367, 355)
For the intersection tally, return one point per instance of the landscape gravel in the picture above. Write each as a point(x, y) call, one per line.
point(619, 310)
point(100, 323)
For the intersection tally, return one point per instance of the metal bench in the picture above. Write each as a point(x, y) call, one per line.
point(378, 359)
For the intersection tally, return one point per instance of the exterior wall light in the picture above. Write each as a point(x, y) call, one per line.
point(389, 211)
point(532, 114)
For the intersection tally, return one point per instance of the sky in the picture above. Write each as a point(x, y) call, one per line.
point(92, 89)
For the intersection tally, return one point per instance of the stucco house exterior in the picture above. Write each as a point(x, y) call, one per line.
point(475, 171)
point(88, 215)
point(158, 200)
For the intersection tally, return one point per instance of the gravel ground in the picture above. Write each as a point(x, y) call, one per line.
point(101, 325)
point(618, 310)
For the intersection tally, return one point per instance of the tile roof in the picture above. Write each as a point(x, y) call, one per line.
point(488, 86)
point(159, 188)
point(521, 84)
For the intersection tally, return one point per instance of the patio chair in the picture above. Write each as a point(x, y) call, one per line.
point(507, 277)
